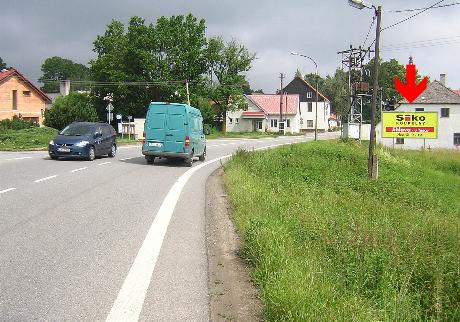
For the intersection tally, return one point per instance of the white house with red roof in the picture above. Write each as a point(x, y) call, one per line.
point(263, 114)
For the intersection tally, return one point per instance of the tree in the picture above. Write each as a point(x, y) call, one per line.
point(56, 68)
point(335, 88)
point(2, 64)
point(228, 63)
point(159, 58)
point(67, 109)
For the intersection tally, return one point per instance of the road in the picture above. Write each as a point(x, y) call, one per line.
point(113, 239)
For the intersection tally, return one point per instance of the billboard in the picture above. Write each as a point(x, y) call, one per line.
point(414, 125)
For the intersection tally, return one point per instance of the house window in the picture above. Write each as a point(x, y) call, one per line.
point(444, 112)
point(288, 123)
point(309, 123)
point(419, 109)
point(259, 125)
point(26, 93)
point(237, 120)
point(15, 99)
point(274, 123)
point(399, 140)
point(230, 120)
point(456, 138)
point(310, 107)
point(309, 94)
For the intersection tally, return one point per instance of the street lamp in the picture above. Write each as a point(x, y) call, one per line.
point(373, 162)
point(317, 80)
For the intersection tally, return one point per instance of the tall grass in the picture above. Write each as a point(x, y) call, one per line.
point(327, 244)
point(26, 139)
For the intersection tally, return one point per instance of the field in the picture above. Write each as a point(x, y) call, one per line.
point(327, 244)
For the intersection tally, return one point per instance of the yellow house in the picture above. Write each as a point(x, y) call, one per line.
point(18, 96)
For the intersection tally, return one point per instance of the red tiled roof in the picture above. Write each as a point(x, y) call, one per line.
point(270, 103)
point(253, 113)
point(7, 73)
point(457, 91)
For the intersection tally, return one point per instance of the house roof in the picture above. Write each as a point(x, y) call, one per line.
point(457, 91)
point(6, 74)
point(302, 81)
point(270, 103)
point(436, 93)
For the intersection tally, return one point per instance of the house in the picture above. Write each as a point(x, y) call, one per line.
point(263, 114)
point(436, 98)
point(307, 112)
point(18, 96)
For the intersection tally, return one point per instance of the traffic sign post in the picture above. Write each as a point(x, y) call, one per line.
point(129, 126)
point(109, 109)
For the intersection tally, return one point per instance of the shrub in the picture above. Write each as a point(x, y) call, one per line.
point(71, 108)
point(16, 123)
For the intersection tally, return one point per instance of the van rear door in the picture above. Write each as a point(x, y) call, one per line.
point(175, 129)
point(155, 128)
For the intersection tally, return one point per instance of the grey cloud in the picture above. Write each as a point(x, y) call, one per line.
point(33, 30)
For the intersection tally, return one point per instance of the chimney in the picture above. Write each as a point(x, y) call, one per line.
point(64, 87)
point(442, 79)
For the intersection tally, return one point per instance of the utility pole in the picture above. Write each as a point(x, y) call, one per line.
point(373, 162)
point(281, 102)
point(188, 94)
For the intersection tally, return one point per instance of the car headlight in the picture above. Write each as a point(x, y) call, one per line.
point(51, 142)
point(82, 144)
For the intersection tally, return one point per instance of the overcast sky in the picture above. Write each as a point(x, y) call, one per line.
point(33, 30)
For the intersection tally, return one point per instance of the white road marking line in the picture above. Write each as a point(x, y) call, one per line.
point(130, 299)
point(7, 190)
point(79, 169)
point(104, 163)
point(18, 158)
point(44, 179)
point(127, 159)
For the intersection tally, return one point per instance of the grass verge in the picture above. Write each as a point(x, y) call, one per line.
point(35, 138)
point(329, 245)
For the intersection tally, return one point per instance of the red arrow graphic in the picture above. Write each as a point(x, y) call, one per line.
point(410, 90)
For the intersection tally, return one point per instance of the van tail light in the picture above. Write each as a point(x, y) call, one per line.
point(143, 137)
point(187, 141)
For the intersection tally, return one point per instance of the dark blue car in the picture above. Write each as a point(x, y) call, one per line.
point(85, 140)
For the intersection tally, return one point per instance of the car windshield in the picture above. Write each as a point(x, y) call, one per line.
point(78, 129)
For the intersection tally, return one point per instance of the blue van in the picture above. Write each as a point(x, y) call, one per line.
point(173, 130)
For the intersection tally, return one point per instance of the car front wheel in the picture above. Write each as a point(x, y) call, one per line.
point(113, 151)
point(91, 154)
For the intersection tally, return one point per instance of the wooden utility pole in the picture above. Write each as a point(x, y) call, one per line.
point(373, 162)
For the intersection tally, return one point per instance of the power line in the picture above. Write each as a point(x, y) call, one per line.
point(368, 33)
point(423, 43)
point(410, 17)
point(419, 9)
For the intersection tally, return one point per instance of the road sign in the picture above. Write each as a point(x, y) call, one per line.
point(109, 107)
point(118, 116)
point(130, 117)
point(414, 125)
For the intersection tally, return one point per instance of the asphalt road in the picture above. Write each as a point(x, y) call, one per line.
point(113, 239)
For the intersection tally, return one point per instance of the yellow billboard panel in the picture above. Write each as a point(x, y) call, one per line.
point(415, 125)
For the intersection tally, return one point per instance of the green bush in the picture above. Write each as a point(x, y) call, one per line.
point(16, 123)
point(71, 108)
